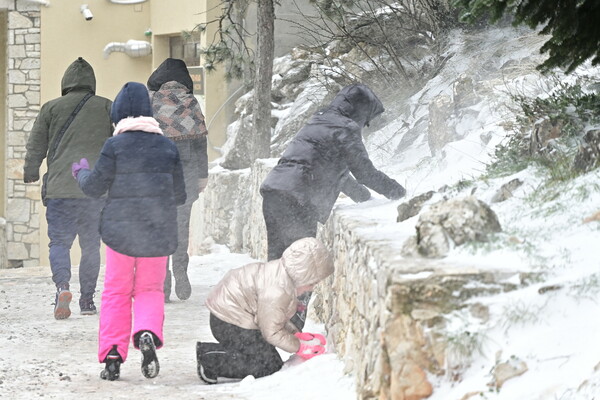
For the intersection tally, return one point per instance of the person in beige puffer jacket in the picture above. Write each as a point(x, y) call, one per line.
point(250, 310)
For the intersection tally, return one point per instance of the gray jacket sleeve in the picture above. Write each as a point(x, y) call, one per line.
point(357, 192)
point(363, 169)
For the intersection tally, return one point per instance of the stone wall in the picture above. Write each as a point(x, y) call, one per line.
point(384, 314)
point(23, 204)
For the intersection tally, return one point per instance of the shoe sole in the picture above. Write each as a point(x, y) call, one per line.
point(62, 310)
point(150, 365)
point(89, 312)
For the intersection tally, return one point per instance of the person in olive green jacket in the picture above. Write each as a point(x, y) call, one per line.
point(70, 127)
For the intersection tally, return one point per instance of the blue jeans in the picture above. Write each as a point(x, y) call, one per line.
point(68, 218)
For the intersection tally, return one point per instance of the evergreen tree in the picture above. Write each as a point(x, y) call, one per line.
point(572, 24)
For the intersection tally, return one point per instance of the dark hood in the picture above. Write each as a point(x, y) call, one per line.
point(79, 75)
point(171, 69)
point(359, 103)
point(132, 101)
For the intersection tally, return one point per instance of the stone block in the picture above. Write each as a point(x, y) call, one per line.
point(30, 63)
point(18, 210)
point(17, 51)
point(16, 251)
point(17, 100)
point(16, 76)
point(33, 38)
point(18, 21)
point(14, 167)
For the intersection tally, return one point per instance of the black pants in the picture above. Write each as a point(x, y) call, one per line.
point(286, 221)
point(239, 353)
point(193, 160)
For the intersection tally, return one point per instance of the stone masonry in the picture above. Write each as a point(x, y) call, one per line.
point(23, 203)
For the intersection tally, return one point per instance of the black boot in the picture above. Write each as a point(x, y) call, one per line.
point(112, 368)
point(146, 343)
point(183, 289)
point(204, 371)
point(87, 306)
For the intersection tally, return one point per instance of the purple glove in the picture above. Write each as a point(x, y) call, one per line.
point(76, 167)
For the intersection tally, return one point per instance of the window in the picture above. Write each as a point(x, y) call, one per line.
point(186, 49)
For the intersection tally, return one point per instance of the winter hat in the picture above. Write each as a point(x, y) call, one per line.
point(172, 69)
point(132, 101)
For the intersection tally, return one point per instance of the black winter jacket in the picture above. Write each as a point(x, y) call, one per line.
point(316, 164)
point(143, 175)
point(144, 179)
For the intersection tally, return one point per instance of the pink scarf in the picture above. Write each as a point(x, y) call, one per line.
point(145, 124)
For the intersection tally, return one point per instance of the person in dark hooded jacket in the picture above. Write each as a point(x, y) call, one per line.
point(142, 173)
point(180, 117)
point(69, 212)
point(301, 189)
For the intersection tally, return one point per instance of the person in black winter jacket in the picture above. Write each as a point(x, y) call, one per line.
point(316, 166)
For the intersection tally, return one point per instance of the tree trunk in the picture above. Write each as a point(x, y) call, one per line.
point(265, 49)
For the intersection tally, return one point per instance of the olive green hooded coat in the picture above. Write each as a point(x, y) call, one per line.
point(83, 139)
point(263, 295)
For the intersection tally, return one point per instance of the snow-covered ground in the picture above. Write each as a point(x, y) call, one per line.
point(41, 357)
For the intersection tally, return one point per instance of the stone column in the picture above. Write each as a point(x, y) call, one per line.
point(23, 203)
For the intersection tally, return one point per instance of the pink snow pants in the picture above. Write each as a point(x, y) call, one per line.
point(130, 280)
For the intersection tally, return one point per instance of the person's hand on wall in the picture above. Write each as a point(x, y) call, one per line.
point(76, 167)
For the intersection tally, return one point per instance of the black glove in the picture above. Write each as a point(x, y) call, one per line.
point(31, 177)
point(397, 192)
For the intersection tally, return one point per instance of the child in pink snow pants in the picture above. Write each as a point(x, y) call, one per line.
point(142, 173)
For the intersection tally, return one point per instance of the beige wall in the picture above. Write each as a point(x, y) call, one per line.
point(166, 18)
point(66, 35)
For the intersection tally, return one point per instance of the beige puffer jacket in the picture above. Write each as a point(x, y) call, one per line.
point(263, 295)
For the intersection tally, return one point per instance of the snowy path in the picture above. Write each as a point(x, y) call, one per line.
point(41, 357)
